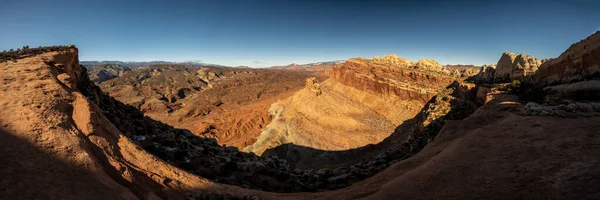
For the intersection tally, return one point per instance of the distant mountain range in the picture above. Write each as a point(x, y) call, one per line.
point(310, 66)
point(144, 63)
point(314, 64)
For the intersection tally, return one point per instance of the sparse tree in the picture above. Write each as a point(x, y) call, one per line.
point(25, 47)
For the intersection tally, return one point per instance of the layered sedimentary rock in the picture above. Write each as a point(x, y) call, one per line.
point(361, 104)
point(388, 78)
point(579, 61)
point(515, 67)
point(332, 116)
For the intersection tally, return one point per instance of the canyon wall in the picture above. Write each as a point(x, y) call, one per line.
point(361, 105)
point(392, 76)
point(579, 61)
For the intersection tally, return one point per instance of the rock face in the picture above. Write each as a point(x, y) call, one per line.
point(428, 64)
point(487, 73)
point(516, 67)
point(383, 77)
point(359, 105)
point(332, 117)
point(580, 61)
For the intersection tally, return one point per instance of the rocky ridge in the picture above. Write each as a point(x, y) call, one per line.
point(579, 62)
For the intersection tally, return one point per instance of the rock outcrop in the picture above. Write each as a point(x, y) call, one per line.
point(428, 64)
point(486, 73)
point(516, 67)
point(383, 77)
point(393, 59)
point(359, 105)
point(313, 85)
point(579, 62)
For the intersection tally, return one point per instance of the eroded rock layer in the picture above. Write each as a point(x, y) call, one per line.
point(580, 61)
point(386, 78)
point(355, 111)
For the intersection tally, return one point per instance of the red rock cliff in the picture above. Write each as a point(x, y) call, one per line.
point(580, 60)
point(388, 78)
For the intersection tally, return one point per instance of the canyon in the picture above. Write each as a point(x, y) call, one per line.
point(380, 128)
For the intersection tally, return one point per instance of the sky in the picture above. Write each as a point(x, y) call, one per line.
point(262, 33)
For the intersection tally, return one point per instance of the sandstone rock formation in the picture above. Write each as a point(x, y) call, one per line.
point(313, 85)
point(461, 71)
point(338, 118)
point(428, 64)
point(393, 59)
point(516, 67)
point(487, 73)
point(360, 105)
point(578, 62)
point(383, 77)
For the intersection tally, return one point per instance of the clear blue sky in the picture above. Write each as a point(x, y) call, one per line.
point(264, 33)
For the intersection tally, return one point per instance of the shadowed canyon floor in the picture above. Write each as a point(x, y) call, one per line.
point(455, 140)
